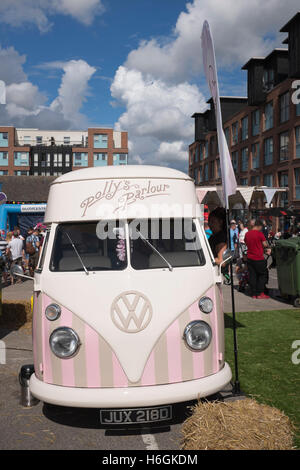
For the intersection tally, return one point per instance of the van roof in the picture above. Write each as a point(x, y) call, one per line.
point(121, 171)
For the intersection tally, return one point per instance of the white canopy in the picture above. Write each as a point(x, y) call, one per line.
point(245, 194)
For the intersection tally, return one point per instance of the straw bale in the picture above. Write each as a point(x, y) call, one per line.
point(237, 425)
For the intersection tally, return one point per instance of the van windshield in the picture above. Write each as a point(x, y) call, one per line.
point(96, 253)
point(175, 240)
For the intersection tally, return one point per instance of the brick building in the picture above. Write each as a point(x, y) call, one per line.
point(37, 152)
point(262, 129)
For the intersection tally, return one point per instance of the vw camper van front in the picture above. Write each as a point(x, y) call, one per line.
point(128, 311)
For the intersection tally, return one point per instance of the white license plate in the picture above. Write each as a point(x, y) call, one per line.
point(136, 415)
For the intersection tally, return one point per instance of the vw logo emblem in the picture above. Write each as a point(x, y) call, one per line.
point(131, 312)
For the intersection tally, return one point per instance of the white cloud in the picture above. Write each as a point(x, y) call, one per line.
point(38, 12)
point(11, 70)
point(73, 90)
point(82, 10)
point(241, 29)
point(26, 104)
point(153, 84)
point(157, 117)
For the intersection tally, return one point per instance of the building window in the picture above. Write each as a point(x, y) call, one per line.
point(283, 146)
point(285, 107)
point(196, 175)
point(244, 161)
point(227, 136)
point(206, 149)
point(235, 133)
point(80, 159)
point(268, 154)
point(245, 128)
point(255, 180)
point(67, 140)
point(255, 156)
point(268, 116)
point(244, 181)
point(283, 180)
point(212, 170)
point(268, 79)
point(196, 153)
point(298, 109)
point(21, 158)
point(3, 172)
point(100, 141)
point(268, 180)
point(100, 159)
point(255, 122)
point(206, 172)
point(202, 148)
point(39, 140)
point(21, 173)
point(201, 174)
point(120, 159)
point(3, 158)
point(235, 159)
point(297, 135)
point(3, 139)
point(297, 182)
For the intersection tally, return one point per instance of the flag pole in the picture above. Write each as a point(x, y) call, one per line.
point(228, 176)
point(236, 386)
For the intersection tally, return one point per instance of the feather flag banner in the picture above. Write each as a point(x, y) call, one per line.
point(228, 177)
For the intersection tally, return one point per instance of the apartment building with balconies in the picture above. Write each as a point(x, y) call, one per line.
point(53, 153)
point(262, 129)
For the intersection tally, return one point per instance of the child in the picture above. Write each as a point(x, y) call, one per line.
point(242, 272)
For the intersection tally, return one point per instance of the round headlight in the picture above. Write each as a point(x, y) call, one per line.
point(206, 304)
point(53, 312)
point(197, 335)
point(64, 342)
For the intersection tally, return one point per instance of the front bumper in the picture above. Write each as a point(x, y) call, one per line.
point(131, 396)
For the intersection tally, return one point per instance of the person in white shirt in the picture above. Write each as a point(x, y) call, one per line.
point(242, 244)
point(16, 251)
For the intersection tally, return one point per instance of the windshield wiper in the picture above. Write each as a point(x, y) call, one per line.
point(78, 255)
point(155, 250)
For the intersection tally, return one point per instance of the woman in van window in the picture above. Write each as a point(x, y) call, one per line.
point(218, 239)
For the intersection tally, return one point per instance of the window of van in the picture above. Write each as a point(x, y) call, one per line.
point(79, 247)
point(164, 243)
point(44, 249)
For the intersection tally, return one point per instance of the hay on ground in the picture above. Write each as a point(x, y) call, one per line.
point(16, 314)
point(237, 425)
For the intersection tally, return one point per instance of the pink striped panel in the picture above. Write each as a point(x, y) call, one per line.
point(34, 333)
point(148, 377)
point(174, 352)
point(67, 365)
point(92, 357)
point(46, 348)
point(215, 329)
point(120, 379)
point(198, 358)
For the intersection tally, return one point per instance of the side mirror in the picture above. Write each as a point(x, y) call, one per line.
point(17, 271)
point(227, 255)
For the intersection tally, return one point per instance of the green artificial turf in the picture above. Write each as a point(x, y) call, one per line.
point(266, 370)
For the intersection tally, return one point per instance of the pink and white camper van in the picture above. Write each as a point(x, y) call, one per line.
point(127, 300)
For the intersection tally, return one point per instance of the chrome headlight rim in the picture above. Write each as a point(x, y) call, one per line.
point(187, 330)
point(203, 299)
point(53, 306)
point(75, 336)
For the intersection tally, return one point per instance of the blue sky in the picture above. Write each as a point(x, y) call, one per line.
point(135, 65)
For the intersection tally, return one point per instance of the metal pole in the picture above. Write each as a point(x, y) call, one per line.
point(236, 389)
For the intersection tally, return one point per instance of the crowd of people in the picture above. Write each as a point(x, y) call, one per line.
point(250, 245)
point(22, 250)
